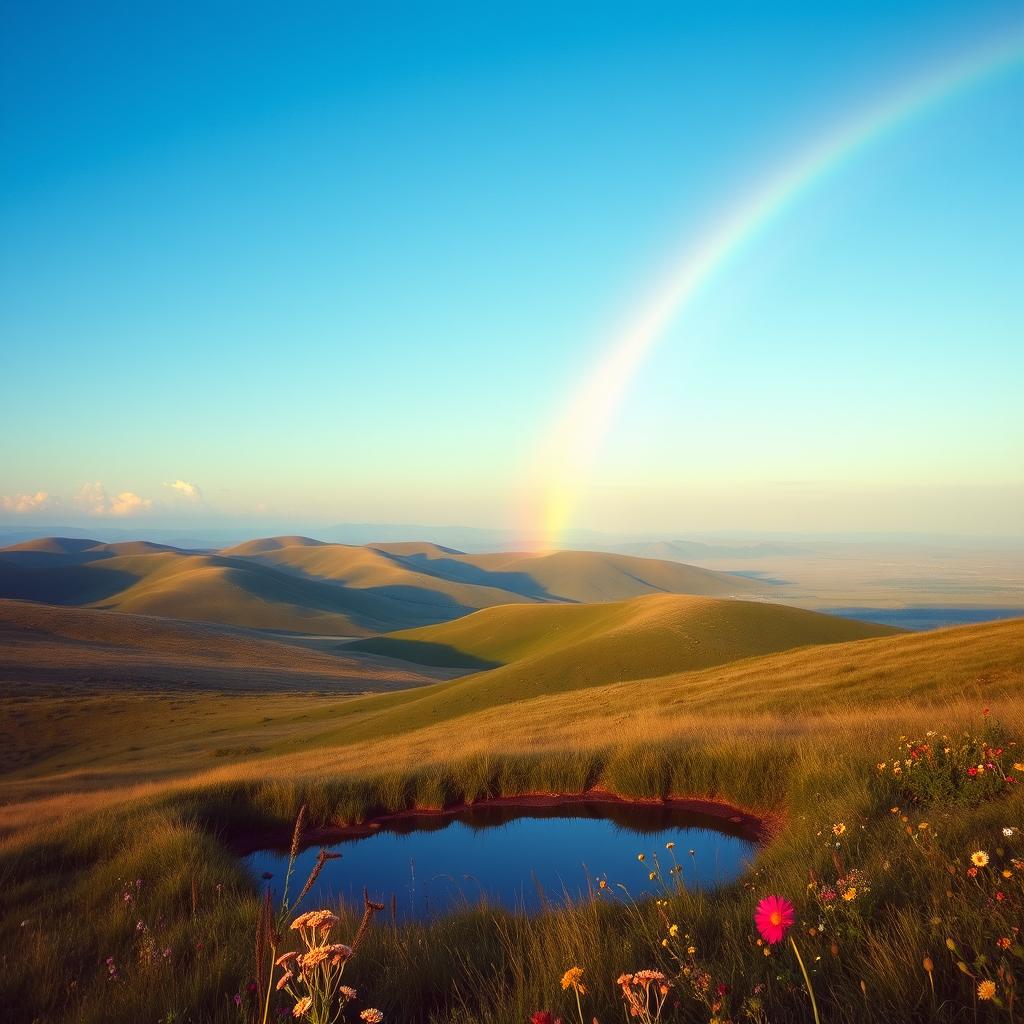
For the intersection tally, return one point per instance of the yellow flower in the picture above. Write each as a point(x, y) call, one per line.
point(664, 942)
point(571, 979)
point(850, 895)
point(322, 919)
point(1018, 766)
point(641, 857)
point(923, 825)
point(309, 960)
point(979, 858)
point(652, 875)
point(1007, 873)
point(986, 989)
point(602, 884)
point(691, 950)
point(371, 1015)
point(673, 930)
point(838, 829)
point(301, 1007)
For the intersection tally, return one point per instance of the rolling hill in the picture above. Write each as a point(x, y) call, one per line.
point(556, 684)
point(646, 636)
point(304, 586)
point(85, 649)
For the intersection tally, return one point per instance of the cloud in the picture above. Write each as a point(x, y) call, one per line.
point(21, 504)
point(93, 499)
point(128, 503)
point(186, 490)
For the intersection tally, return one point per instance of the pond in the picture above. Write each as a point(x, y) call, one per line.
point(521, 857)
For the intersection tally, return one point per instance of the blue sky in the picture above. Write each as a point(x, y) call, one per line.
point(347, 263)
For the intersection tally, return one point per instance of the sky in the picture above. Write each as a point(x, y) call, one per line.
point(351, 263)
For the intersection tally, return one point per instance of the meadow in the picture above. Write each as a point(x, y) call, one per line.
point(878, 763)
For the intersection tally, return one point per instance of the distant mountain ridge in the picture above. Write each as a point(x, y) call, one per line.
point(301, 585)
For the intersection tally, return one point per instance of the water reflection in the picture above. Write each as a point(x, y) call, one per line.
point(515, 856)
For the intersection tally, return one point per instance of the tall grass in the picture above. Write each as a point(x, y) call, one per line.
point(76, 891)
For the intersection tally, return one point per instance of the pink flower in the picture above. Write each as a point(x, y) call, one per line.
point(774, 917)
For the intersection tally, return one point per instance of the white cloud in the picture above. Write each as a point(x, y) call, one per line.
point(128, 503)
point(93, 499)
point(186, 490)
point(21, 504)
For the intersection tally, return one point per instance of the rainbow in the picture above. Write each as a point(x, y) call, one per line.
point(575, 438)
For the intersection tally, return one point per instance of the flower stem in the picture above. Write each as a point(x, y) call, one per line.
point(807, 980)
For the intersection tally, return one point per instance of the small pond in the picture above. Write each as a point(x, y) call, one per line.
point(515, 856)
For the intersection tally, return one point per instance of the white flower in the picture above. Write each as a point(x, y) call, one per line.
point(1008, 832)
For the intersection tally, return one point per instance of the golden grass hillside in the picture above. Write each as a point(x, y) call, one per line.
point(587, 644)
point(793, 735)
point(79, 650)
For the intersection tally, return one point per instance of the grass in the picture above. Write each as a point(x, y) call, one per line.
point(794, 736)
point(559, 646)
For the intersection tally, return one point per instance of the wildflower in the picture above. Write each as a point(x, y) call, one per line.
point(371, 1015)
point(346, 992)
point(641, 857)
point(986, 989)
point(1018, 766)
point(601, 885)
point(838, 829)
point(652, 875)
point(774, 916)
point(979, 858)
point(301, 1007)
point(923, 825)
point(851, 894)
point(1009, 832)
point(571, 979)
point(339, 952)
point(285, 979)
point(323, 920)
point(1004, 943)
point(691, 950)
point(543, 1017)
point(317, 955)
point(282, 960)
point(670, 846)
point(673, 930)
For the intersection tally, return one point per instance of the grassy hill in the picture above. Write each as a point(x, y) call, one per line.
point(300, 585)
point(550, 649)
point(594, 643)
point(77, 650)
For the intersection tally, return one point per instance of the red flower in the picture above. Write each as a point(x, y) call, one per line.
point(972, 771)
point(544, 1017)
point(774, 917)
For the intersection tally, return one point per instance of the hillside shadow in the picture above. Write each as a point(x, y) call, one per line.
point(389, 607)
point(463, 572)
point(420, 652)
point(62, 584)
